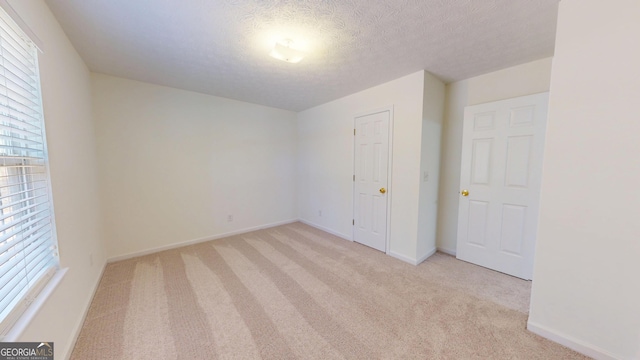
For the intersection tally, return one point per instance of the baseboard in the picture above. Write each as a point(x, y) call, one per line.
point(307, 222)
point(426, 256)
point(349, 238)
point(410, 260)
point(196, 241)
point(402, 257)
point(447, 251)
point(570, 342)
point(78, 327)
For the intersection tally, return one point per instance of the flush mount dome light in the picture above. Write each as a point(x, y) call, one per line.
point(284, 51)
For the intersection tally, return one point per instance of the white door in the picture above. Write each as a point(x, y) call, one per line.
point(502, 150)
point(371, 179)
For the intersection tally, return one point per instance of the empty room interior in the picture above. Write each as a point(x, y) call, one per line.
point(313, 180)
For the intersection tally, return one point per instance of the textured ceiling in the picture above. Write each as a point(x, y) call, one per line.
point(221, 47)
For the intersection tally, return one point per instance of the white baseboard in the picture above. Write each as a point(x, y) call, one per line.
point(402, 257)
point(78, 327)
point(447, 251)
point(196, 241)
point(570, 342)
point(410, 260)
point(349, 238)
point(426, 256)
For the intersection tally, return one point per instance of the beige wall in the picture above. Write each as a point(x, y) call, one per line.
point(586, 287)
point(586, 260)
point(66, 96)
point(325, 138)
point(525, 79)
point(175, 164)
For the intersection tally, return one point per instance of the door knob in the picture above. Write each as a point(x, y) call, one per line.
point(383, 190)
point(464, 192)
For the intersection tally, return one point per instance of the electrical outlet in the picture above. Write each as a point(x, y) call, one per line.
point(90, 259)
point(320, 213)
point(229, 218)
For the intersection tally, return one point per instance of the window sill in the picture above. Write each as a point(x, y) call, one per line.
point(18, 328)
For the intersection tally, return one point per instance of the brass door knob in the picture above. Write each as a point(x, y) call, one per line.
point(383, 190)
point(464, 192)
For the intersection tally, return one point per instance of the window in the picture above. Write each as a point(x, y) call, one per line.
point(28, 249)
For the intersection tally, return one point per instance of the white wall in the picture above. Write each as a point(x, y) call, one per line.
point(586, 288)
point(175, 164)
point(326, 160)
point(66, 95)
point(521, 80)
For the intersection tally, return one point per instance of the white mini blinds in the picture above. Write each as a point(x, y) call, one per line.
point(28, 250)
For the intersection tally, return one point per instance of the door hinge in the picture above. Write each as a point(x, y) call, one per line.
point(354, 178)
point(353, 222)
point(354, 132)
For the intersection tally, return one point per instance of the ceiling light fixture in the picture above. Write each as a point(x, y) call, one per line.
point(284, 51)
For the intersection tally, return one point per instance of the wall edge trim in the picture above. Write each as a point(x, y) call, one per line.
point(447, 251)
point(327, 230)
point(570, 342)
point(411, 261)
point(196, 241)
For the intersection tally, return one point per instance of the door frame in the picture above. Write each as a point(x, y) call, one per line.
point(389, 173)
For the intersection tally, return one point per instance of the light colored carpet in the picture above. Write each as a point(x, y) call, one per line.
point(294, 292)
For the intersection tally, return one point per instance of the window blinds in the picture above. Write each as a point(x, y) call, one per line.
point(28, 251)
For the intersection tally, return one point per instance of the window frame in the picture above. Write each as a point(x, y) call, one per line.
point(40, 287)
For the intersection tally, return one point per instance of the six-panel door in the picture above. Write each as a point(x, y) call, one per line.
point(371, 179)
point(501, 168)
